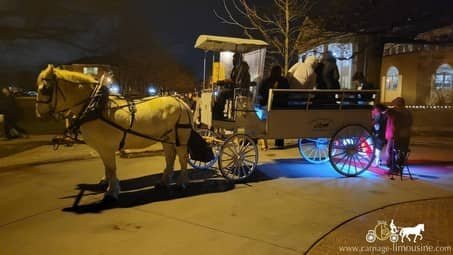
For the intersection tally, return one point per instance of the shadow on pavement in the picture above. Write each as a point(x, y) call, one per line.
point(142, 190)
point(295, 168)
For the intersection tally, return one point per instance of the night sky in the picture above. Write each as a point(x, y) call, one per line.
point(184, 22)
point(174, 25)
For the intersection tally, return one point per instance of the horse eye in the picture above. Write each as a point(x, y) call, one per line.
point(46, 90)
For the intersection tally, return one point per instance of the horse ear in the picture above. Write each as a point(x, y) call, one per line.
point(50, 66)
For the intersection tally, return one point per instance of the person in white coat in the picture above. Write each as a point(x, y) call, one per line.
point(301, 75)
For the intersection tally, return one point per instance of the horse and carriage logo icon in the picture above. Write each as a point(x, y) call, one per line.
point(383, 231)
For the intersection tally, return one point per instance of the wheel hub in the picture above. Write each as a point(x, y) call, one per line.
point(351, 150)
point(238, 160)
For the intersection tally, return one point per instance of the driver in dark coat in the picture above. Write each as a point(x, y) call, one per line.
point(240, 75)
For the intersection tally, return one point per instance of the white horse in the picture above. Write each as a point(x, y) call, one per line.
point(417, 231)
point(61, 91)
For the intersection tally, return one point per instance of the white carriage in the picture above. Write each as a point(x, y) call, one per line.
point(330, 125)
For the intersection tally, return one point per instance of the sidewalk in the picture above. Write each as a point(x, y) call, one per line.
point(45, 154)
point(37, 149)
point(13, 146)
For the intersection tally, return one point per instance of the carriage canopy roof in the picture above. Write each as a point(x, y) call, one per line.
point(222, 43)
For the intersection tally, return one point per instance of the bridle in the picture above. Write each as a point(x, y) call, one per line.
point(51, 90)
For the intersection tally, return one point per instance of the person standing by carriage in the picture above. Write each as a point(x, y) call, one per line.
point(398, 129)
point(8, 108)
point(379, 122)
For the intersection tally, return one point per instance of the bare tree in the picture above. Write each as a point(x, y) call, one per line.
point(280, 25)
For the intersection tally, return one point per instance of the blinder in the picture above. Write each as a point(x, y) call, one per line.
point(48, 90)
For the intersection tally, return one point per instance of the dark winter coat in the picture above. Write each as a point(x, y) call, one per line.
point(240, 75)
point(273, 83)
point(328, 74)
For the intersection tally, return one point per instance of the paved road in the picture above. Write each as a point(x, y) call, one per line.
point(284, 210)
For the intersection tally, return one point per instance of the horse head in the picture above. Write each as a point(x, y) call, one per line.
point(45, 83)
point(60, 91)
point(421, 227)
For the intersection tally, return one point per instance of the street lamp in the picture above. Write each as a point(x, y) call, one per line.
point(152, 91)
point(114, 89)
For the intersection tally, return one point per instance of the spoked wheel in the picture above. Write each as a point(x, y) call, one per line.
point(238, 157)
point(315, 151)
point(351, 150)
point(210, 138)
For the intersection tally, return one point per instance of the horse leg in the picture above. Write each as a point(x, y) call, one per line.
point(170, 156)
point(408, 238)
point(113, 188)
point(183, 156)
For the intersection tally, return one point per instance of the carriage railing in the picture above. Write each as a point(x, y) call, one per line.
point(309, 99)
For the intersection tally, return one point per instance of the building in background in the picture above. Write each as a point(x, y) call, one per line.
point(98, 66)
point(421, 72)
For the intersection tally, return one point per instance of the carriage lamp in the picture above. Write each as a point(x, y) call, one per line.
point(114, 89)
point(152, 90)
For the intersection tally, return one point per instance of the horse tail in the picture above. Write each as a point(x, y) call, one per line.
point(185, 121)
point(198, 148)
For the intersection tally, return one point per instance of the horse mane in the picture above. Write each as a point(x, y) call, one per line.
point(70, 76)
point(74, 77)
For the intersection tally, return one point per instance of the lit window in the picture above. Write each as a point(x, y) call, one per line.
point(443, 79)
point(343, 53)
point(317, 52)
point(391, 81)
point(90, 70)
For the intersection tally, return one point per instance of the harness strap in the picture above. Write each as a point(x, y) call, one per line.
point(132, 110)
point(178, 125)
point(131, 131)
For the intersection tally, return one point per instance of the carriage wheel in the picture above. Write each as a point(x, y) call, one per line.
point(351, 150)
point(209, 136)
point(315, 151)
point(238, 157)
